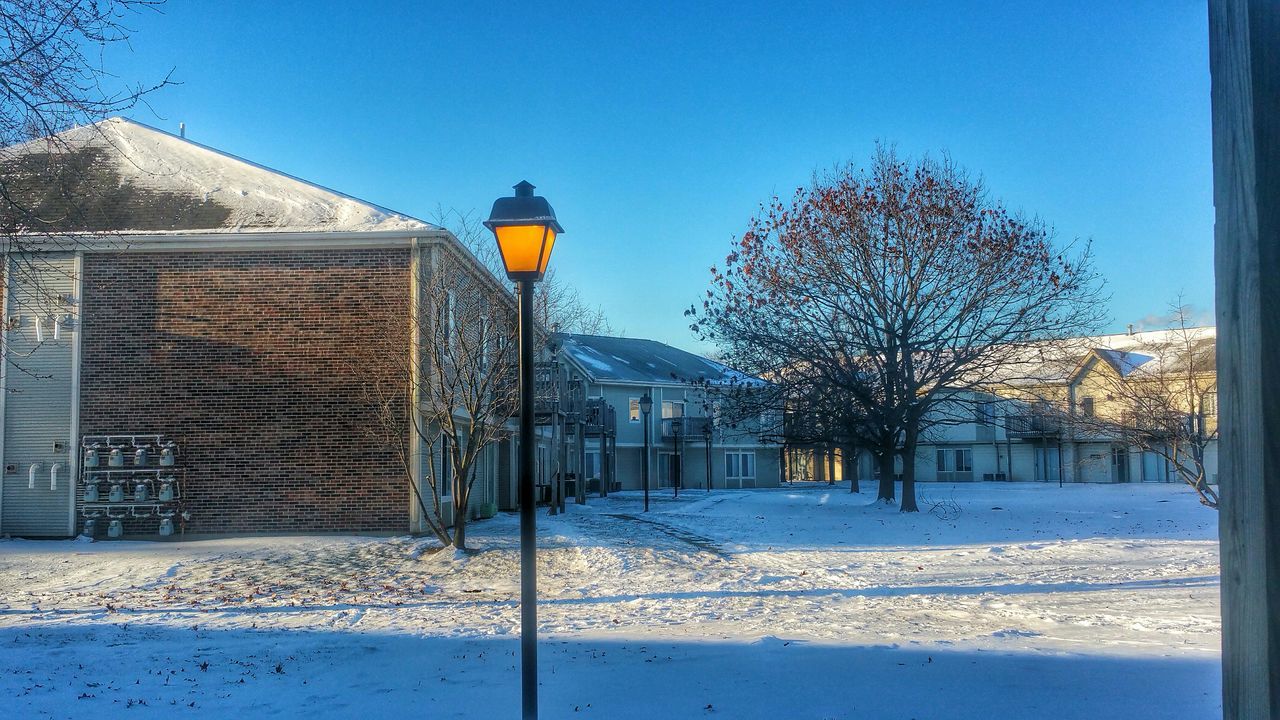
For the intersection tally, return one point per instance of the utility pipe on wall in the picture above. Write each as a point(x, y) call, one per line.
point(53, 475)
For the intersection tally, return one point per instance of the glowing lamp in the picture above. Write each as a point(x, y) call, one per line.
point(526, 228)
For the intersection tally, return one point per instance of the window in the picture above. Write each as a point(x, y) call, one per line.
point(445, 480)
point(450, 319)
point(985, 413)
point(740, 465)
point(1209, 406)
point(672, 409)
point(592, 470)
point(634, 409)
point(955, 464)
point(955, 460)
point(1086, 407)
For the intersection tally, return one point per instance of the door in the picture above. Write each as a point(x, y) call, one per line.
point(40, 329)
point(668, 469)
point(1119, 465)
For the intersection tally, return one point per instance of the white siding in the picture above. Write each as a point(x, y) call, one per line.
point(38, 399)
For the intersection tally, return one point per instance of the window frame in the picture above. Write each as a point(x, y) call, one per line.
point(738, 464)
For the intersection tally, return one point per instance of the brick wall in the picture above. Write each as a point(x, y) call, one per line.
point(244, 358)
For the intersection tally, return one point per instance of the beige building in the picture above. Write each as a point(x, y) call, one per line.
point(1128, 407)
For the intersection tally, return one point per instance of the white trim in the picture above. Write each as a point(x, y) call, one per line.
point(73, 447)
point(416, 521)
point(183, 242)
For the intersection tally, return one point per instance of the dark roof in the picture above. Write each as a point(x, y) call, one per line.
point(634, 360)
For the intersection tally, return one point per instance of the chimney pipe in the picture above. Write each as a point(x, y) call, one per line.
point(182, 130)
point(1130, 328)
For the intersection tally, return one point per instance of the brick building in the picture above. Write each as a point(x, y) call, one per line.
point(179, 344)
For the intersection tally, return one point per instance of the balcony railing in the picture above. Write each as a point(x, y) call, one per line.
point(685, 428)
point(1032, 424)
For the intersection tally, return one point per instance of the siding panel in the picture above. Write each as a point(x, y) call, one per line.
point(38, 399)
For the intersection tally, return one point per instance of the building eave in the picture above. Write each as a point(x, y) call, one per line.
point(220, 241)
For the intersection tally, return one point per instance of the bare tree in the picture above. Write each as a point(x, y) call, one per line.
point(898, 286)
point(52, 78)
point(1161, 397)
point(557, 305)
point(450, 386)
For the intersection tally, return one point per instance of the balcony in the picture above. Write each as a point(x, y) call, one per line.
point(685, 428)
point(1033, 425)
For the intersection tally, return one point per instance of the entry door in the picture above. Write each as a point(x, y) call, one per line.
point(40, 456)
point(668, 469)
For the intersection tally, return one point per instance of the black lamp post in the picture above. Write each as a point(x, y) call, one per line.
point(706, 435)
point(646, 406)
point(525, 227)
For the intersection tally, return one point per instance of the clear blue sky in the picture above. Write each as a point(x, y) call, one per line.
point(656, 129)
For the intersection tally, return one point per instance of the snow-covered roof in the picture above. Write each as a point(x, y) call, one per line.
point(634, 360)
point(141, 180)
point(1126, 353)
point(1124, 363)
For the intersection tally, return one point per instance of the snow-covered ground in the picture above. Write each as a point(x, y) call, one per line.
point(1007, 601)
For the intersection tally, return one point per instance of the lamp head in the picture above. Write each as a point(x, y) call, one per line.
point(525, 227)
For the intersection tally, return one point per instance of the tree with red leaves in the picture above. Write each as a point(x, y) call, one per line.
point(898, 288)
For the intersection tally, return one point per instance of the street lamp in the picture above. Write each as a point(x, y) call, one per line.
point(706, 435)
point(646, 406)
point(525, 227)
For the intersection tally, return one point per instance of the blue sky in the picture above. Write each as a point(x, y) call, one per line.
point(656, 129)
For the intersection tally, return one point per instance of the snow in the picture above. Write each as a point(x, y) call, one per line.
point(1007, 600)
point(258, 198)
point(1125, 362)
point(1057, 362)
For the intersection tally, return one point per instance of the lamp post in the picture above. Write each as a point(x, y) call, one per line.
point(677, 457)
point(706, 435)
point(525, 227)
point(646, 406)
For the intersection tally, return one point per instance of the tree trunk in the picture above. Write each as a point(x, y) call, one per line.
point(848, 458)
point(460, 527)
point(831, 465)
point(909, 472)
point(886, 475)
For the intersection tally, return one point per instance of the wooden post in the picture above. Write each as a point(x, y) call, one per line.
point(1244, 61)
